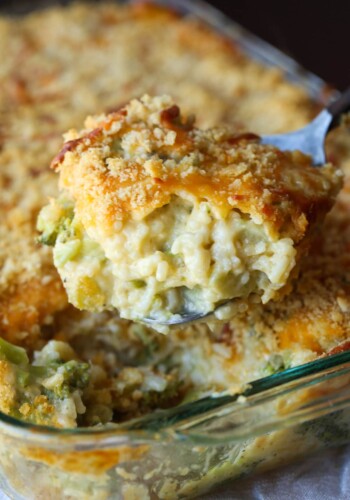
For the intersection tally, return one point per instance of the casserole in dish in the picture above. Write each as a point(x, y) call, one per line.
point(58, 66)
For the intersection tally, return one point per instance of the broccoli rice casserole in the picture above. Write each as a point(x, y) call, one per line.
point(157, 216)
point(68, 368)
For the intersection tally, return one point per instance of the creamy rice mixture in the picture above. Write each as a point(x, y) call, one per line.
point(157, 216)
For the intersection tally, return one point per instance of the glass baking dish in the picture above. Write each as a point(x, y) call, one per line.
point(185, 451)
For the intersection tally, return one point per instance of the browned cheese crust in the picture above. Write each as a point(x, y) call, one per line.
point(131, 162)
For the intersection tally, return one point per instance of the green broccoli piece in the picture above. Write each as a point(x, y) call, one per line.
point(13, 354)
point(68, 377)
point(54, 219)
point(39, 393)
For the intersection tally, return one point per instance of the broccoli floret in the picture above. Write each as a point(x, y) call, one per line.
point(276, 364)
point(13, 354)
point(53, 220)
point(68, 378)
point(45, 393)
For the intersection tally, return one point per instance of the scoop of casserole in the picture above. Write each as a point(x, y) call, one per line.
point(156, 215)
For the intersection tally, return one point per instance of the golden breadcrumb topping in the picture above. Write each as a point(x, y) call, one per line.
point(7, 387)
point(131, 162)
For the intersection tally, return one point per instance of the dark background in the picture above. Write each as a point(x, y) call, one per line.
point(316, 34)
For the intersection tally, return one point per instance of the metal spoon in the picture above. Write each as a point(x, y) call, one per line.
point(310, 140)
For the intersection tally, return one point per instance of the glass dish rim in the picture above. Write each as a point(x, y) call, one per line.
point(137, 431)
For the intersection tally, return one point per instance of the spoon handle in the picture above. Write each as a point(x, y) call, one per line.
point(338, 107)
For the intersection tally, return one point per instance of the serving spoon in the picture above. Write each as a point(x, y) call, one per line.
point(309, 140)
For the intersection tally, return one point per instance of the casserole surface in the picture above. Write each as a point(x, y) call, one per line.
point(125, 51)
